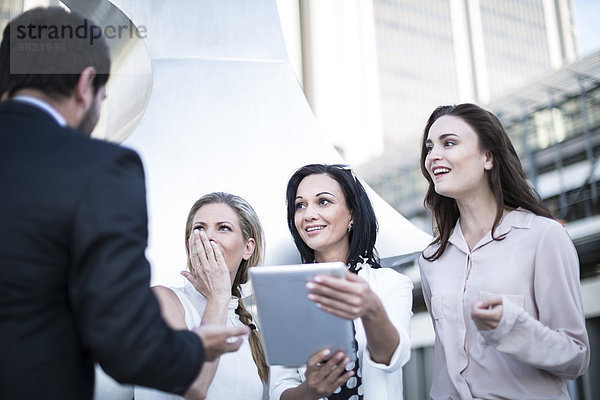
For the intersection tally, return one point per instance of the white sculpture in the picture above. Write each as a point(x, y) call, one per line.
point(208, 98)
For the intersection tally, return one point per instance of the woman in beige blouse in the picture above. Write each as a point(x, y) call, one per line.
point(501, 278)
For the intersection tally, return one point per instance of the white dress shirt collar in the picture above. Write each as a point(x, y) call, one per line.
point(34, 101)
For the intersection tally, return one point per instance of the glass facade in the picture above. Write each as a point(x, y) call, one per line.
point(445, 52)
point(417, 68)
point(561, 153)
point(516, 42)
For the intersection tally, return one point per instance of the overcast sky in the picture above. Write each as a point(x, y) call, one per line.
point(587, 25)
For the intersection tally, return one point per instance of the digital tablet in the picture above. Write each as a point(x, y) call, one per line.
point(292, 326)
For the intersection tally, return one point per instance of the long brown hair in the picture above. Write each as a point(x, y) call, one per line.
point(251, 228)
point(506, 178)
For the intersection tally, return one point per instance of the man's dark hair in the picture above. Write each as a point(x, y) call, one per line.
point(47, 49)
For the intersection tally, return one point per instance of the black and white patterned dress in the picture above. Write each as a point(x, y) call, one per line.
point(353, 388)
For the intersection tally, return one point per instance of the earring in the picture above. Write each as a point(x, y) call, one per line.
point(349, 226)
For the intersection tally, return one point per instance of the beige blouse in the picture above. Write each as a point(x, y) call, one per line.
point(541, 340)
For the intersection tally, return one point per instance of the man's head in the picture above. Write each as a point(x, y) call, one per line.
point(59, 56)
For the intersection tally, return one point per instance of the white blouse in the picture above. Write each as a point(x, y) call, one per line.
point(236, 376)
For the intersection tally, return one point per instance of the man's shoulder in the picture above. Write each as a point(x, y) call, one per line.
point(91, 155)
point(34, 127)
point(98, 147)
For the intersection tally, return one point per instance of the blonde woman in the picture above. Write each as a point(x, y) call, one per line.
point(224, 238)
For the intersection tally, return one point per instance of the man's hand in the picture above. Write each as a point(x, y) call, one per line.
point(218, 339)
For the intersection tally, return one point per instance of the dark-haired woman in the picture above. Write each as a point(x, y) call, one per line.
point(331, 219)
point(224, 238)
point(501, 278)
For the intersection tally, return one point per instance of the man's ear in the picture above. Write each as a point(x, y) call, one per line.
point(84, 89)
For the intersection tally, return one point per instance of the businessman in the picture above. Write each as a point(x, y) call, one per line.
point(74, 281)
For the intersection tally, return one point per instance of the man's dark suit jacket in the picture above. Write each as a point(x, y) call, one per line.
point(74, 281)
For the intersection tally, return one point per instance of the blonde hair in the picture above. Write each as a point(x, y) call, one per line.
point(251, 228)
